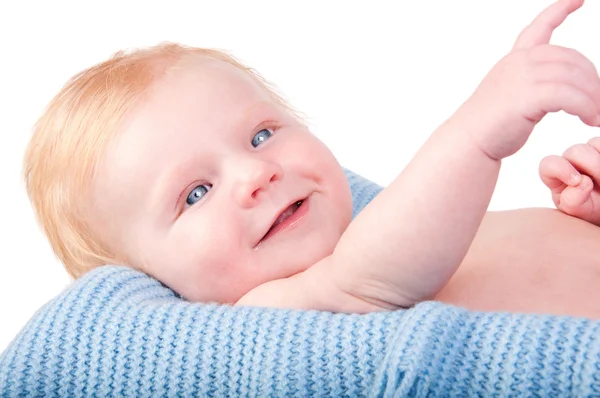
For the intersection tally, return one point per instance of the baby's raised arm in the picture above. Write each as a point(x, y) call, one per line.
point(408, 242)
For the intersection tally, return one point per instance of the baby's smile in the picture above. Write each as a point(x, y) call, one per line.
point(287, 219)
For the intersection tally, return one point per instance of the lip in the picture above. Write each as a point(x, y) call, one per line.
point(290, 222)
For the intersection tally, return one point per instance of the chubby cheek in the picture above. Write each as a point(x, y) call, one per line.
point(201, 259)
point(312, 159)
point(324, 168)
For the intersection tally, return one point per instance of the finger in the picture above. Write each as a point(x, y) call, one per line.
point(541, 29)
point(554, 97)
point(557, 173)
point(575, 200)
point(553, 53)
point(574, 66)
point(574, 75)
point(586, 159)
point(595, 143)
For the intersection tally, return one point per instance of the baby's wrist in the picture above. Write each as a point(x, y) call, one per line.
point(484, 128)
point(471, 133)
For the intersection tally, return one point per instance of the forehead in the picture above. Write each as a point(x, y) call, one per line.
point(193, 99)
point(203, 89)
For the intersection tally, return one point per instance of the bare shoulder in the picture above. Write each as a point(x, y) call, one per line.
point(313, 289)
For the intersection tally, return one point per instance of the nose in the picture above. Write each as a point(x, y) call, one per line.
point(254, 178)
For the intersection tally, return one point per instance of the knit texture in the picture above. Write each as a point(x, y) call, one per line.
point(118, 332)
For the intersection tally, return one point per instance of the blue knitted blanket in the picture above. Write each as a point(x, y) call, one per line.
point(118, 332)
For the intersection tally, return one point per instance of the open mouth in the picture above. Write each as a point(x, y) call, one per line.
point(288, 217)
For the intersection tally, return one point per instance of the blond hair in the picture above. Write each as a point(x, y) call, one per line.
point(73, 133)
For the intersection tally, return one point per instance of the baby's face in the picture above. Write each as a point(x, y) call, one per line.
point(213, 189)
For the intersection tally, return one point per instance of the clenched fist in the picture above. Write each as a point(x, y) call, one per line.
point(574, 180)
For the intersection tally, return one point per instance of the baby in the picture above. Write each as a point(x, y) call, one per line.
point(185, 164)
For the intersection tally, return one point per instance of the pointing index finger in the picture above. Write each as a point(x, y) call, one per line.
point(541, 28)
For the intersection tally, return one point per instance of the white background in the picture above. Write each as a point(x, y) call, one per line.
point(375, 78)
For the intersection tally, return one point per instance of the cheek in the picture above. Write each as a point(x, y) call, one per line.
point(323, 168)
point(197, 257)
point(330, 174)
point(303, 151)
point(341, 199)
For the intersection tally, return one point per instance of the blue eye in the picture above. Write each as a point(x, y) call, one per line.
point(261, 137)
point(197, 194)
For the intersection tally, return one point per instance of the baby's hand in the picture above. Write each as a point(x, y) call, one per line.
point(574, 180)
point(535, 78)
